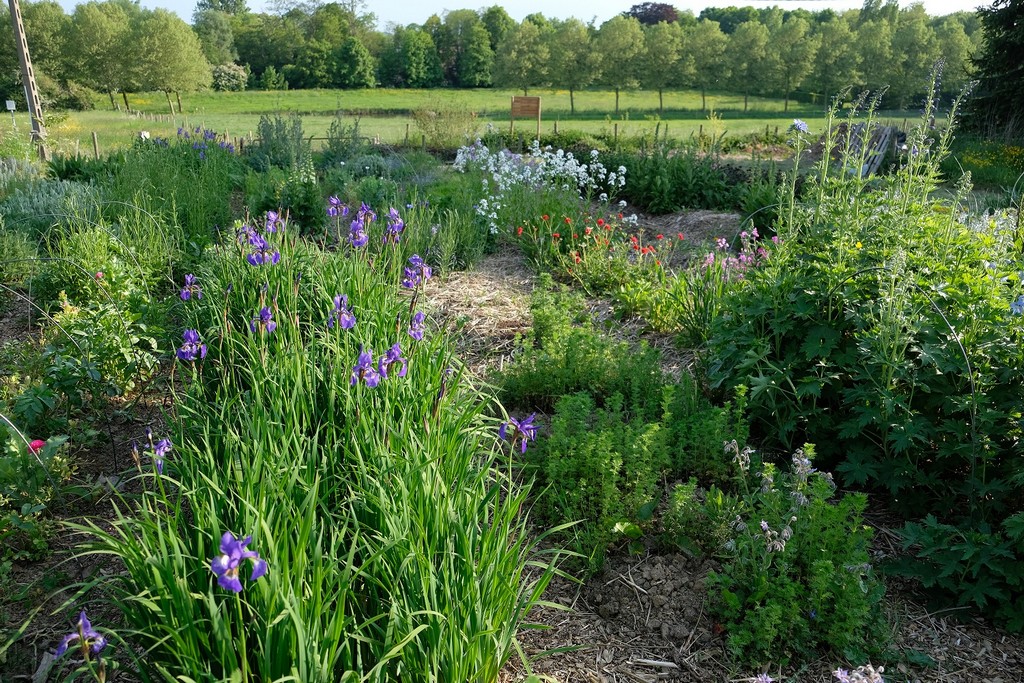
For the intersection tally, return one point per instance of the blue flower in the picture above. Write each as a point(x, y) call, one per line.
point(800, 126)
point(364, 370)
point(264, 321)
point(342, 314)
point(357, 235)
point(191, 288)
point(1017, 307)
point(262, 253)
point(416, 327)
point(335, 208)
point(160, 451)
point(416, 273)
point(519, 431)
point(193, 347)
point(88, 637)
point(233, 553)
point(390, 359)
point(395, 227)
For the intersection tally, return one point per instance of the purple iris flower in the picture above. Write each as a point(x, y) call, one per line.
point(262, 253)
point(191, 288)
point(357, 235)
point(160, 451)
point(416, 327)
point(335, 208)
point(366, 214)
point(193, 347)
point(395, 227)
point(800, 126)
point(364, 370)
point(342, 314)
point(519, 431)
point(264, 321)
point(1017, 306)
point(246, 233)
point(87, 637)
point(273, 222)
point(390, 359)
point(416, 273)
point(233, 553)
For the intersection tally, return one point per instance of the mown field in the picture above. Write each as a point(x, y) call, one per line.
point(385, 114)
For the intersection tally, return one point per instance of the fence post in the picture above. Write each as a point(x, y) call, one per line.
point(406, 134)
point(616, 134)
point(95, 146)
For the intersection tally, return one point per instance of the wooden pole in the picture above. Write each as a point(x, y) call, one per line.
point(406, 135)
point(95, 146)
point(616, 133)
point(28, 76)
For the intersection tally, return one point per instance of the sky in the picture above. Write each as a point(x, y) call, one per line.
point(417, 11)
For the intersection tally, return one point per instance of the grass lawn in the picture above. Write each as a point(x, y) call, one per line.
point(385, 113)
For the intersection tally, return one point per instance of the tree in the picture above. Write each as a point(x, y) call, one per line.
point(522, 58)
point(497, 22)
point(957, 50)
point(621, 41)
point(575, 63)
point(652, 13)
point(661, 63)
point(791, 58)
point(46, 26)
point(263, 41)
point(704, 46)
point(998, 101)
point(215, 36)
point(837, 64)
point(312, 67)
point(874, 42)
point(232, 7)
point(98, 47)
point(411, 60)
point(229, 77)
point(730, 18)
point(167, 55)
point(476, 60)
point(747, 57)
point(354, 66)
point(915, 52)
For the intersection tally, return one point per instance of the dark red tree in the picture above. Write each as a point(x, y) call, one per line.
point(651, 13)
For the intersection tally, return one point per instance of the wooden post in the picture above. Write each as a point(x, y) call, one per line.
point(701, 133)
point(616, 133)
point(77, 143)
point(28, 77)
point(556, 126)
point(406, 134)
point(95, 146)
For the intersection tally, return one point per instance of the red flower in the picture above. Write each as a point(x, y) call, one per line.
point(588, 231)
point(519, 231)
point(575, 236)
point(555, 235)
point(682, 236)
point(36, 446)
point(657, 263)
point(568, 221)
point(577, 257)
point(544, 217)
point(659, 237)
point(99, 274)
point(620, 216)
point(600, 221)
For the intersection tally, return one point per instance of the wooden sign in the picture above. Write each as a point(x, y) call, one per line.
point(525, 107)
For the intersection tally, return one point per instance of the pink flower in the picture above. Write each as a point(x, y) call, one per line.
point(36, 446)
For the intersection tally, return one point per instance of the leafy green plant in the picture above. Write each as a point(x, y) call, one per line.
point(602, 470)
point(280, 143)
point(664, 179)
point(32, 473)
point(797, 577)
point(569, 358)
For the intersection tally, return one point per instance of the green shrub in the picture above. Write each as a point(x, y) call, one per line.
point(36, 208)
point(568, 359)
point(29, 481)
point(882, 327)
point(602, 469)
point(663, 180)
point(797, 577)
point(17, 263)
point(280, 143)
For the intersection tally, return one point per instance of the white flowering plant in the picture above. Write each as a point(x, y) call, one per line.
point(541, 180)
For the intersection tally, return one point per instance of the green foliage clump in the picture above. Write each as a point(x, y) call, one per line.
point(663, 180)
point(29, 481)
point(883, 328)
point(280, 143)
point(37, 207)
point(797, 577)
point(602, 467)
point(568, 358)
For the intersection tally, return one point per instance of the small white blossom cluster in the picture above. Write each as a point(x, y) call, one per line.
point(775, 541)
point(540, 168)
point(862, 674)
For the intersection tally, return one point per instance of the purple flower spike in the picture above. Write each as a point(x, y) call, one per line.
point(416, 273)
point(364, 370)
point(357, 235)
point(264, 321)
point(160, 451)
point(262, 253)
point(233, 553)
point(87, 637)
point(390, 359)
point(416, 327)
point(395, 227)
point(519, 431)
point(193, 347)
point(335, 208)
point(191, 288)
point(342, 314)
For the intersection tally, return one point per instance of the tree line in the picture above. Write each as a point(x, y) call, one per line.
point(115, 46)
